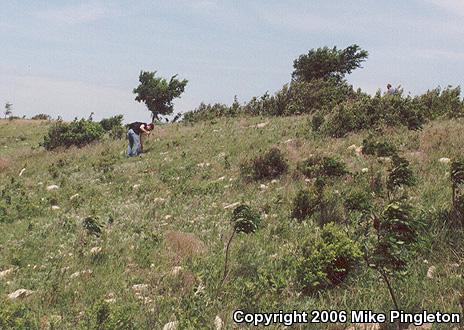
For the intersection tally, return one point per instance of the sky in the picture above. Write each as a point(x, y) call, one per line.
point(71, 58)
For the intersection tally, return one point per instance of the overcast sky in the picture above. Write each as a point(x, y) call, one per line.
point(71, 58)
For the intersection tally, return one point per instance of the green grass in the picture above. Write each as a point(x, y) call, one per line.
point(176, 217)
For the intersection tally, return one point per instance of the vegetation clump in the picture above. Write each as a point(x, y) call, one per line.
point(318, 166)
point(328, 261)
point(304, 204)
point(271, 164)
point(76, 133)
point(371, 146)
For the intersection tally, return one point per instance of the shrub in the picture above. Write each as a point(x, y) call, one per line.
point(358, 201)
point(317, 95)
point(117, 132)
point(377, 111)
point(328, 262)
point(317, 166)
point(92, 226)
point(316, 122)
point(304, 205)
point(270, 165)
point(400, 174)
point(109, 123)
point(104, 316)
point(438, 102)
point(78, 133)
point(16, 316)
point(41, 116)
point(378, 148)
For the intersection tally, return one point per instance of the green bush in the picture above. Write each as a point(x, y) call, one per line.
point(16, 316)
point(317, 166)
point(103, 316)
point(317, 95)
point(41, 116)
point(358, 201)
point(371, 146)
point(329, 261)
point(304, 205)
point(270, 165)
point(396, 231)
point(76, 133)
point(108, 123)
point(377, 111)
point(439, 103)
point(400, 174)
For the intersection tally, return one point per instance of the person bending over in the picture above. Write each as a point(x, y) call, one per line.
point(135, 133)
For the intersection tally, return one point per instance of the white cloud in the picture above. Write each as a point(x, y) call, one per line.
point(83, 12)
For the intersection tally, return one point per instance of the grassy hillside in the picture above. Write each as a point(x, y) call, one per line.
point(165, 219)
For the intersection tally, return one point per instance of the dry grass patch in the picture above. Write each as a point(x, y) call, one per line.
point(180, 246)
point(4, 164)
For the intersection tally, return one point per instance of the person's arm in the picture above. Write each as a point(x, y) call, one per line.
point(142, 128)
point(143, 131)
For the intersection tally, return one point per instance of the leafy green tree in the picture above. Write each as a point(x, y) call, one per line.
point(8, 109)
point(157, 93)
point(328, 63)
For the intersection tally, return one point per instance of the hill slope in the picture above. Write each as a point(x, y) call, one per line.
point(155, 252)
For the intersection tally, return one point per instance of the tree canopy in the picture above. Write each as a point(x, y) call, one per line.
point(157, 93)
point(325, 63)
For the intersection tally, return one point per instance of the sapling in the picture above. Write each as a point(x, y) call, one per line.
point(393, 230)
point(457, 179)
point(244, 220)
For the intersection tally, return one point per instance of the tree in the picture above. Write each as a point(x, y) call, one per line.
point(157, 93)
point(8, 109)
point(325, 63)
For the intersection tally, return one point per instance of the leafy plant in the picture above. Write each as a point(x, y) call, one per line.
point(243, 220)
point(114, 121)
point(76, 133)
point(92, 226)
point(304, 204)
point(317, 166)
point(328, 261)
point(371, 146)
point(457, 179)
point(400, 174)
point(271, 164)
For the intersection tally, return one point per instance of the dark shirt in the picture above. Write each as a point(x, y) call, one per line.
point(135, 126)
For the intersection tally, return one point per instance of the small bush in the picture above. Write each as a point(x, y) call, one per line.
point(92, 226)
point(109, 123)
point(77, 133)
point(400, 174)
point(317, 166)
point(304, 205)
point(371, 146)
point(41, 116)
point(358, 201)
point(268, 166)
point(117, 132)
point(16, 316)
point(316, 122)
point(330, 260)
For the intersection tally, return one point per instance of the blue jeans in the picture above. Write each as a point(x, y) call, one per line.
point(134, 143)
